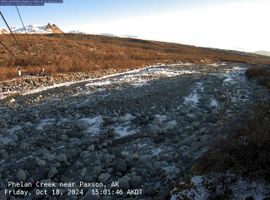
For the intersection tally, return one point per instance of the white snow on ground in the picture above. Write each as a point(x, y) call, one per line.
point(94, 124)
point(214, 103)
point(193, 98)
point(156, 151)
point(171, 169)
point(232, 75)
point(122, 128)
point(3, 95)
point(218, 64)
point(137, 77)
point(48, 88)
point(99, 83)
point(126, 117)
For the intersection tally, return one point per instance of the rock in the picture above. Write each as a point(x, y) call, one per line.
point(135, 181)
point(104, 177)
point(109, 158)
point(21, 175)
point(83, 171)
point(92, 147)
point(82, 124)
point(23, 146)
point(62, 158)
point(49, 157)
point(120, 165)
point(53, 171)
point(145, 158)
point(169, 126)
point(196, 124)
point(159, 139)
point(153, 130)
point(2, 195)
point(3, 154)
point(158, 120)
point(40, 163)
point(124, 182)
point(89, 195)
point(149, 191)
point(97, 169)
point(135, 156)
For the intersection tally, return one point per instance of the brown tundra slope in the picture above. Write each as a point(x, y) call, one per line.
point(59, 53)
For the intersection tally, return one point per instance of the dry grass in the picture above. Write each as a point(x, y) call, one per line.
point(247, 151)
point(86, 53)
point(262, 74)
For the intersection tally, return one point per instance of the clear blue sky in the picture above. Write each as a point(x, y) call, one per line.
point(83, 11)
point(229, 24)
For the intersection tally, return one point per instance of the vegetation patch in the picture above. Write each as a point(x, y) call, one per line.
point(245, 152)
point(64, 53)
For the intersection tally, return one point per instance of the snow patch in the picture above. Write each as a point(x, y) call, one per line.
point(217, 64)
point(159, 119)
point(40, 89)
point(171, 169)
point(136, 77)
point(124, 130)
point(214, 103)
point(94, 124)
point(123, 127)
point(100, 83)
point(156, 151)
point(194, 98)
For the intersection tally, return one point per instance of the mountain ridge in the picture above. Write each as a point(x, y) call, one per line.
point(34, 29)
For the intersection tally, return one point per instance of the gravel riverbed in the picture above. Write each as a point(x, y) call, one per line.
point(144, 128)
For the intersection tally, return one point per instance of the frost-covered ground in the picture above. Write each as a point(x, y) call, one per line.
point(224, 185)
point(144, 128)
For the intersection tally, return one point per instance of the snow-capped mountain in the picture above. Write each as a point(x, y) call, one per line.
point(3, 32)
point(36, 29)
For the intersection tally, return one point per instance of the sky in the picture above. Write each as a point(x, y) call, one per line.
point(227, 24)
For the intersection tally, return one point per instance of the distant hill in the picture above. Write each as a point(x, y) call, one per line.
point(60, 53)
point(264, 53)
